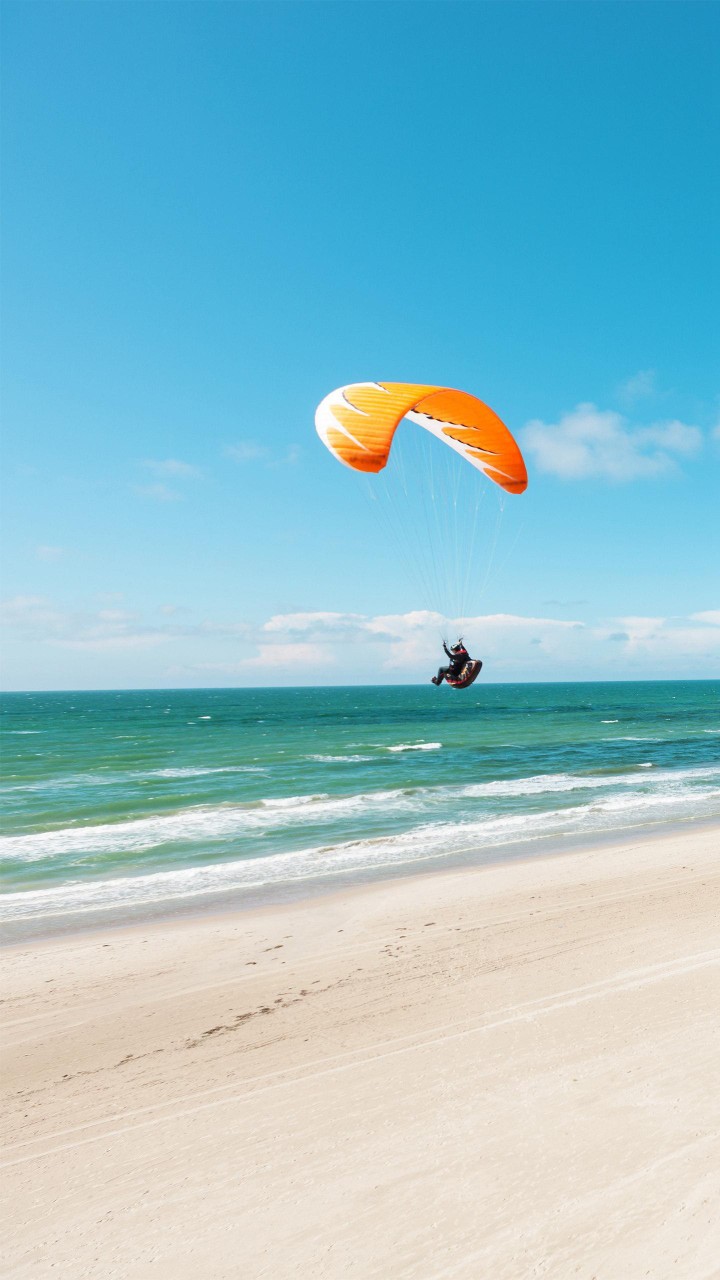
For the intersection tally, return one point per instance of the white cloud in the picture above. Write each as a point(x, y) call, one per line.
point(172, 610)
point(641, 627)
point(511, 645)
point(639, 387)
point(316, 647)
point(250, 451)
point(246, 451)
point(34, 618)
point(49, 554)
point(166, 468)
point(223, 630)
point(171, 467)
point(663, 642)
point(290, 657)
point(318, 623)
point(158, 492)
point(401, 641)
point(563, 604)
point(101, 643)
point(676, 436)
point(592, 442)
point(115, 615)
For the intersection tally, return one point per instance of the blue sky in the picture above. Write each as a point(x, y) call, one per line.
point(216, 213)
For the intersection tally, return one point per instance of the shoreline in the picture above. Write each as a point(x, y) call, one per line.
point(504, 1071)
point(224, 902)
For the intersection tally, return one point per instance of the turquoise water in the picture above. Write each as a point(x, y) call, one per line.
point(119, 804)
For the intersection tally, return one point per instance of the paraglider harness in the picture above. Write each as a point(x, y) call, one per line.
point(466, 675)
point(463, 669)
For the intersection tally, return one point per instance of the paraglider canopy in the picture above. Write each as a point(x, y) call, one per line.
point(358, 422)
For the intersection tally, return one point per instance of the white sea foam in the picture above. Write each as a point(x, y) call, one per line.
point(204, 824)
point(416, 746)
point(110, 779)
point(62, 784)
point(201, 823)
point(293, 802)
point(547, 783)
point(193, 771)
point(634, 738)
point(543, 783)
point(435, 841)
point(338, 759)
point(324, 806)
point(609, 721)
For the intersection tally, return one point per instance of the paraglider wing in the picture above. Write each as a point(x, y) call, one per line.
point(358, 422)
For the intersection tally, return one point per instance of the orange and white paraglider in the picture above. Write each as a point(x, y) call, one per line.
point(358, 423)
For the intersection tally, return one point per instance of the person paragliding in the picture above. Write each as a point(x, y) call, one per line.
point(458, 656)
point(461, 669)
point(357, 423)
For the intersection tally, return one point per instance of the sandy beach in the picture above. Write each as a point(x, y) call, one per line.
point(509, 1072)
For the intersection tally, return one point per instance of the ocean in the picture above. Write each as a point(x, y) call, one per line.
point(129, 805)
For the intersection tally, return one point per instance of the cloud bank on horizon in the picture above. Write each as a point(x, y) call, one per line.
point(351, 648)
